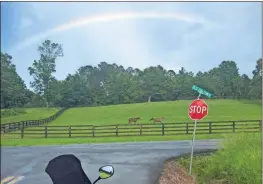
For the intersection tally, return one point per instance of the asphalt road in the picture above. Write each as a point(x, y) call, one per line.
point(134, 163)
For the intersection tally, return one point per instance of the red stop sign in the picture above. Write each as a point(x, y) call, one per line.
point(198, 109)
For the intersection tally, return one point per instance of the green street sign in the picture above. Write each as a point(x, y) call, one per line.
point(201, 91)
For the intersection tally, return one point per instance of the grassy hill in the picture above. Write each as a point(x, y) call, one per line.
point(175, 111)
point(23, 114)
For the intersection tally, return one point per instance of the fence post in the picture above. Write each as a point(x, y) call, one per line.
point(116, 130)
point(260, 125)
point(187, 128)
point(93, 131)
point(234, 126)
point(3, 127)
point(22, 131)
point(45, 131)
point(140, 129)
point(210, 127)
point(69, 131)
point(162, 129)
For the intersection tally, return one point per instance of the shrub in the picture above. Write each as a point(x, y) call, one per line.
point(11, 112)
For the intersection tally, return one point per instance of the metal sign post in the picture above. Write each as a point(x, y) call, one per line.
point(192, 153)
point(197, 110)
point(193, 144)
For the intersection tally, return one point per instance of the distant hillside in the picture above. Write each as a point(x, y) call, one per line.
point(175, 111)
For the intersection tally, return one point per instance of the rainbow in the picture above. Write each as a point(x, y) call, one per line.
point(89, 20)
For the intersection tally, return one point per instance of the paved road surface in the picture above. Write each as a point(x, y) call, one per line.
point(134, 163)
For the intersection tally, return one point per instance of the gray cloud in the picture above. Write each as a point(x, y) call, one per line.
point(206, 34)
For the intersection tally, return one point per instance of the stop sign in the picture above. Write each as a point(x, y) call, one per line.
point(197, 110)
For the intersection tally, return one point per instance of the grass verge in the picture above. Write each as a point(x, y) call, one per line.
point(16, 141)
point(238, 163)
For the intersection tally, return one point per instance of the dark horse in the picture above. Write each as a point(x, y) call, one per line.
point(157, 119)
point(133, 120)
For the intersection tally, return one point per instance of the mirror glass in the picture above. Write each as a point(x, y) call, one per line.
point(106, 171)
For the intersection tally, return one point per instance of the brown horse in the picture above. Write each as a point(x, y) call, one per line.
point(157, 119)
point(133, 120)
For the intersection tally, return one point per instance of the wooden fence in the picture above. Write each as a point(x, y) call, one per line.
point(11, 127)
point(181, 128)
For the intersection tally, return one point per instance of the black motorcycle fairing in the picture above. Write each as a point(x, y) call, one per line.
point(66, 169)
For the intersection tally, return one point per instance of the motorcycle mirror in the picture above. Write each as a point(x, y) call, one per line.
point(106, 171)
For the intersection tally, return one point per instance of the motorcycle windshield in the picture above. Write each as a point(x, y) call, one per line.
point(66, 169)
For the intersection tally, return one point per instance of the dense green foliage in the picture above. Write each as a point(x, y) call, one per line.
point(238, 163)
point(107, 84)
point(43, 69)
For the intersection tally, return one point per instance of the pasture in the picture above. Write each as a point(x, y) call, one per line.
point(29, 114)
point(105, 119)
point(175, 111)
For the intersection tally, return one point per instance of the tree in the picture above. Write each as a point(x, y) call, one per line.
point(258, 69)
point(256, 82)
point(108, 84)
point(14, 92)
point(43, 69)
point(244, 86)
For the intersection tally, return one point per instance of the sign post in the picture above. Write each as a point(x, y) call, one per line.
point(198, 109)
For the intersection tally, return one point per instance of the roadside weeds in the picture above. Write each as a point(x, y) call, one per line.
point(174, 173)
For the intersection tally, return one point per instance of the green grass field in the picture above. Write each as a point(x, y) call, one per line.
point(172, 111)
point(219, 110)
point(238, 163)
point(31, 114)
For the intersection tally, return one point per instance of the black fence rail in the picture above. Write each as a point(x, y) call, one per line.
point(181, 128)
point(11, 127)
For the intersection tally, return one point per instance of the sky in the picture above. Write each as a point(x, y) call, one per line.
point(195, 35)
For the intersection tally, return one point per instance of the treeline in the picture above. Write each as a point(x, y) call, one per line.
point(107, 84)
